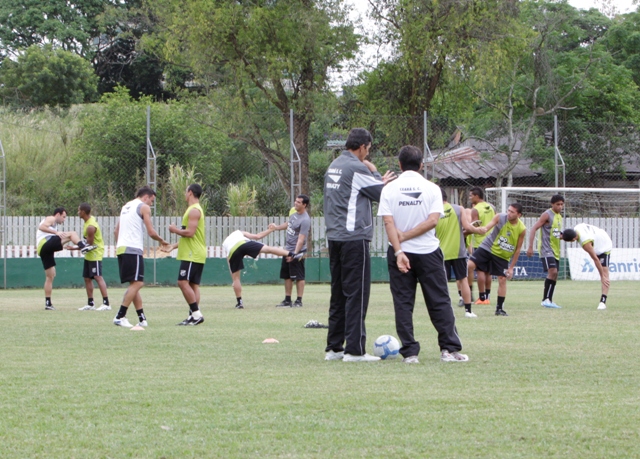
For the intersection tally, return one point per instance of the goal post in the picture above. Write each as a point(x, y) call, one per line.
point(615, 210)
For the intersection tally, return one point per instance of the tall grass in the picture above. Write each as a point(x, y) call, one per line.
point(241, 200)
point(177, 182)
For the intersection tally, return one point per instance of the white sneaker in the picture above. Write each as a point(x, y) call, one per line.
point(331, 355)
point(124, 322)
point(87, 308)
point(470, 315)
point(143, 323)
point(411, 359)
point(602, 306)
point(104, 307)
point(447, 356)
point(360, 358)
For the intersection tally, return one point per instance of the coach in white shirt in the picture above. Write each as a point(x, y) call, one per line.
point(411, 206)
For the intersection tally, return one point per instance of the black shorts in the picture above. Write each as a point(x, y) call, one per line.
point(459, 267)
point(92, 269)
point(190, 271)
point(489, 263)
point(131, 267)
point(293, 270)
point(53, 245)
point(604, 259)
point(250, 248)
point(549, 262)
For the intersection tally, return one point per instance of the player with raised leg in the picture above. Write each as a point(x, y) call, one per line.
point(550, 226)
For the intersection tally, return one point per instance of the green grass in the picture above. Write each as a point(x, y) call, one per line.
point(540, 383)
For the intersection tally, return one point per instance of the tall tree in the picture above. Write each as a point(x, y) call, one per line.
point(263, 53)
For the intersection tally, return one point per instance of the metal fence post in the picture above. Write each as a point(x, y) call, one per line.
point(428, 156)
point(3, 212)
point(152, 171)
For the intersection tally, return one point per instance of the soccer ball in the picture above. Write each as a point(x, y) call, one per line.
point(386, 347)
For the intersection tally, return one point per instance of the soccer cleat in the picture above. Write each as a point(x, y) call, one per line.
point(284, 304)
point(123, 322)
point(88, 248)
point(186, 321)
point(239, 306)
point(104, 307)
point(447, 356)
point(479, 301)
point(197, 321)
point(460, 302)
point(296, 304)
point(501, 312)
point(470, 315)
point(602, 306)
point(549, 304)
point(411, 359)
point(49, 307)
point(143, 323)
point(314, 324)
point(87, 308)
point(360, 358)
point(332, 355)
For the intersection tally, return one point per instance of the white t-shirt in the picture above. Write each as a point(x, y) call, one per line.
point(233, 241)
point(589, 233)
point(410, 199)
point(131, 232)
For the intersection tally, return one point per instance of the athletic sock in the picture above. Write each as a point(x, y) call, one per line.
point(467, 307)
point(483, 296)
point(47, 301)
point(141, 316)
point(500, 302)
point(239, 299)
point(122, 312)
point(193, 307)
point(552, 289)
point(81, 244)
point(459, 293)
point(299, 299)
point(287, 298)
point(90, 302)
point(603, 299)
point(105, 301)
point(487, 293)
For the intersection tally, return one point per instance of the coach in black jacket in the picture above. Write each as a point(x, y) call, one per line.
point(350, 184)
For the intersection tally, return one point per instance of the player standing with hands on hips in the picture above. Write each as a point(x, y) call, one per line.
point(350, 185)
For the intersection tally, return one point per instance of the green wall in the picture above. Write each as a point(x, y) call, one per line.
point(28, 272)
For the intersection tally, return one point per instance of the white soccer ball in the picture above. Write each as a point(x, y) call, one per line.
point(386, 347)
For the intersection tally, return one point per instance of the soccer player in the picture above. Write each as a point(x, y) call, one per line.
point(240, 244)
point(135, 216)
point(501, 245)
point(550, 226)
point(192, 253)
point(484, 212)
point(296, 242)
point(93, 260)
point(597, 243)
point(351, 183)
point(450, 231)
point(48, 241)
point(410, 208)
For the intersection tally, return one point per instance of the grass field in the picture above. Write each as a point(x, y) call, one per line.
point(539, 383)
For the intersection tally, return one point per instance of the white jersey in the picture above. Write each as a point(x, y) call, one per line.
point(40, 235)
point(131, 231)
point(410, 199)
point(589, 233)
point(233, 241)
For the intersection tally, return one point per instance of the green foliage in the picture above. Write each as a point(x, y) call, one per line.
point(44, 76)
point(241, 200)
point(114, 141)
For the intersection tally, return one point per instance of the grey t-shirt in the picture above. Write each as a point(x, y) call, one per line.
point(298, 224)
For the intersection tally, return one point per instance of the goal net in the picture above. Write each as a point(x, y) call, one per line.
point(615, 210)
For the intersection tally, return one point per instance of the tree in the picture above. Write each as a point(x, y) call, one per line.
point(556, 65)
point(260, 54)
point(44, 76)
point(70, 25)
